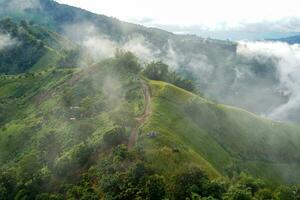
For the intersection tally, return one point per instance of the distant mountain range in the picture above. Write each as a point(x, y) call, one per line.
point(290, 40)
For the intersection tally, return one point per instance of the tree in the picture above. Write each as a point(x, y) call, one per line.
point(285, 193)
point(160, 71)
point(29, 167)
point(114, 137)
point(68, 97)
point(157, 71)
point(8, 185)
point(50, 148)
point(191, 180)
point(84, 130)
point(216, 189)
point(70, 59)
point(24, 24)
point(127, 60)
point(264, 194)
point(120, 152)
point(138, 173)
point(250, 183)
point(237, 192)
point(87, 106)
point(155, 187)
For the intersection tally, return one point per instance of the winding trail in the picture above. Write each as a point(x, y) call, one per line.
point(141, 119)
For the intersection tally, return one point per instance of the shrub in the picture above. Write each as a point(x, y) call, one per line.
point(114, 137)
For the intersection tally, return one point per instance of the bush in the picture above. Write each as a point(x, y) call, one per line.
point(157, 71)
point(127, 61)
point(160, 71)
point(191, 180)
point(85, 129)
point(114, 137)
point(155, 187)
point(238, 193)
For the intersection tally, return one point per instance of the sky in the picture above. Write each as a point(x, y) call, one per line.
point(230, 19)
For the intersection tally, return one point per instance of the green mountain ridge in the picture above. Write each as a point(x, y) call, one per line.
point(220, 72)
point(105, 131)
point(224, 136)
point(35, 48)
point(59, 124)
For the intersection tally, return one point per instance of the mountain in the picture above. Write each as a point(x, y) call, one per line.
point(64, 131)
point(291, 40)
point(222, 72)
point(217, 137)
point(81, 117)
point(34, 47)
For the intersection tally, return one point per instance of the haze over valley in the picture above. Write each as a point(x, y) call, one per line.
point(110, 101)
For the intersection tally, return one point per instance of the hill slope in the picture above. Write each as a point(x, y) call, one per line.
point(25, 48)
point(223, 136)
point(221, 72)
point(64, 132)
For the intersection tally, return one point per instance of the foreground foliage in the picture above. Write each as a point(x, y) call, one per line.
point(123, 174)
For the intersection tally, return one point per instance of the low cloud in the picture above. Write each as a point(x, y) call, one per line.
point(6, 41)
point(286, 58)
point(22, 5)
point(281, 28)
point(97, 46)
point(143, 49)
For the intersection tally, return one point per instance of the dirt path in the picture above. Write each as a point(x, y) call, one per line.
point(141, 119)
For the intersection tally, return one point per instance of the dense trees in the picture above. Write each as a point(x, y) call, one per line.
point(115, 137)
point(127, 61)
point(82, 159)
point(123, 174)
point(155, 187)
point(24, 46)
point(157, 71)
point(70, 58)
point(190, 181)
point(160, 71)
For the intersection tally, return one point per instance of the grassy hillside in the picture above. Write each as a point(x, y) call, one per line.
point(74, 108)
point(64, 135)
point(237, 79)
point(70, 133)
point(29, 47)
point(218, 137)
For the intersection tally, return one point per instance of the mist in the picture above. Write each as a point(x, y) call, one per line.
point(286, 58)
point(142, 48)
point(243, 78)
point(20, 6)
point(6, 41)
point(97, 46)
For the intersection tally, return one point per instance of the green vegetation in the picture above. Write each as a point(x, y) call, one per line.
point(221, 139)
point(160, 71)
point(64, 134)
point(34, 47)
point(64, 130)
point(56, 123)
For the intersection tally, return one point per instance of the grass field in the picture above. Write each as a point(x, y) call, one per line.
point(217, 137)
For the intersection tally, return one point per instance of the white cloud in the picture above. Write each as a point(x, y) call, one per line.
point(141, 48)
point(287, 59)
point(21, 5)
point(213, 14)
point(97, 46)
point(6, 41)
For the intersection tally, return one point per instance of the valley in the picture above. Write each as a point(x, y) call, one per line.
point(95, 108)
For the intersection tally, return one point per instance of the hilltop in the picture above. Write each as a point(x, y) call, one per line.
point(220, 70)
point(218, 137)
point(75, 125)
